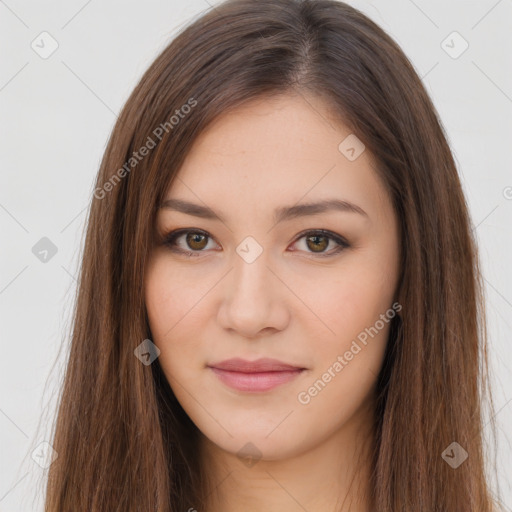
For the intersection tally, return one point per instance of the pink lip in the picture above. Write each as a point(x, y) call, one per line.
point(260, 375)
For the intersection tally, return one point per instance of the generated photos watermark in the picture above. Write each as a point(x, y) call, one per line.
point(138, 156)
point(305, 397)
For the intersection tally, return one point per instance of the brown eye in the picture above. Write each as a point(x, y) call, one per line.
point(188, 242)
point(197, 241)
point(317, 243)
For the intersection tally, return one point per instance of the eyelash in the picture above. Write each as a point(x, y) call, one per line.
point(170, 239)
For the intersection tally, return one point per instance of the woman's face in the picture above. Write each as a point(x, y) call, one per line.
point(263, 282)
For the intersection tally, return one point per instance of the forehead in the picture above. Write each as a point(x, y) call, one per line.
point(275, 151)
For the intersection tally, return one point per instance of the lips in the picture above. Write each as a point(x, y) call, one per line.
point(255, 376)
point(260, 365)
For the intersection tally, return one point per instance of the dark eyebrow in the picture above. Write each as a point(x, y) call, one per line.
point(280, 214)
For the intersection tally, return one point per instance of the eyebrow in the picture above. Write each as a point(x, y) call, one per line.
point(280, 214)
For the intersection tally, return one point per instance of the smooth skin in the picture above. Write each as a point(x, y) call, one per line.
point(292, 303)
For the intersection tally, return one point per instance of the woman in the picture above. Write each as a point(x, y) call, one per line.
point(280, 301)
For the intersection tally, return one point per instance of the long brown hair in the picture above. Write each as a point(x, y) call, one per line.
point(123, 441)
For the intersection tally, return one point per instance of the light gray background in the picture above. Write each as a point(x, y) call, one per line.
point(57, 114)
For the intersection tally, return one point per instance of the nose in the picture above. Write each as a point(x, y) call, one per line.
point(253, 299)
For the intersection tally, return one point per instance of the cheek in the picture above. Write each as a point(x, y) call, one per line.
point(170, 303)
point(355, 310)
point(169, 297)
point(345, 301)
point(348, 362)
point(359, 335)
